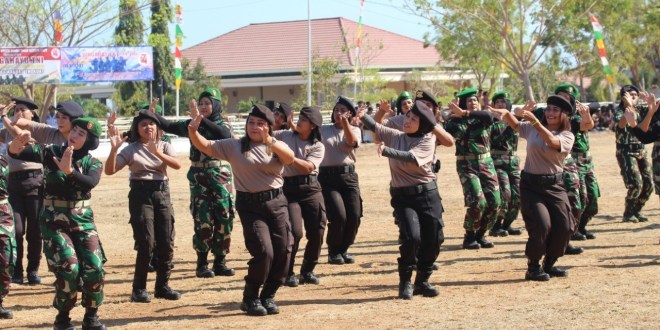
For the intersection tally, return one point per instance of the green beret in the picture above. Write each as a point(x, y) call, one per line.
point(500, 95)
point(91, 125)
point(211, 92)
point(145, 106)
point(568, 89)
point(403, 96)
point(467, 93)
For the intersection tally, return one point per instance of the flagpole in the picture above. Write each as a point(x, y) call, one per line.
point(309, 55)
point(178, 42)
point(598, 36)
point(357, 52)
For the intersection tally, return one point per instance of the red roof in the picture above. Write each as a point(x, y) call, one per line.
point(282, 47)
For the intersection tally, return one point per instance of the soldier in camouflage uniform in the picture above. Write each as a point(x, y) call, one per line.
point(581, 124)
point(471, 129)
point(71, 241)
point(632, 157)
point(211, 200)
point(503, 147)
point(7, 240)
point(648, 131)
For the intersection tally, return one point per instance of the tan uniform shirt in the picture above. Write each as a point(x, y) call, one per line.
point(542, 159)
point(14, 164)
point(337, 151)
point(254, 171)
point(302, 149)
point(45, 134)
point(142, 164)
point(404, 173)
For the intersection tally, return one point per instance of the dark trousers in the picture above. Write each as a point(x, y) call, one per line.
point(306, 206)
point(420, 228)
point(267, 237)
point(343, 204)
point(152, 219)
point(547, 215)
point(26, 199)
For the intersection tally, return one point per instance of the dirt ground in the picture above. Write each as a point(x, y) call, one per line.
point(614, 284)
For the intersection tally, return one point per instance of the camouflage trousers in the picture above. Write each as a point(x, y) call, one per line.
point(508, 176)
point(656, 167)
point(212, 208)
point(481, 193)
point(636, 173)
point(73, 249)
point(589, 189)
point(7, 248)
point(573, 187)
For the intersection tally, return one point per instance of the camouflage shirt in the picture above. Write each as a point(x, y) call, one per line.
point(4, 170)
point(623, 135)
point(180, 128)
point(503, 137)
point(581, 143)
point(77, 186)
point(472, 133)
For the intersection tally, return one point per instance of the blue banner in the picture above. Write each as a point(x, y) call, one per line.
point(99, 64)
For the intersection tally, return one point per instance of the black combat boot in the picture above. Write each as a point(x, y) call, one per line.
point(470, 241)
point(550, 269)
point(17, 277)
point(497, 230)
point(33, 278)
point(251, 303)
point(267, 297)
point(291, 280)
point(534, 271)
point(573, 250)
point(140, 296)
point(153, 263)
point(348, 259)
point(307, 275)
point(162, 288)
point(482, 241)
point(5, 313)
point(578, 236)
point(405, 286)
point(582, 229)
point(220, 267)
point(91, 320)
point(63, 321)
point(422, 285)
point(202, 266)
point(334, 257)
point(506, 225)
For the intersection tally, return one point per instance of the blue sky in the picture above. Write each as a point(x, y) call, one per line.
point(204, 20)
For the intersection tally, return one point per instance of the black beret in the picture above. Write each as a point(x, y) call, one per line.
point(26, 102)
point(71, 109)
point(560, 102)
point(426, 96)
point(347, 103)
point(313, 114)
point(262, 111)
point(424, 113)
point(145, 114)
point(628, 88)
point(284, 109)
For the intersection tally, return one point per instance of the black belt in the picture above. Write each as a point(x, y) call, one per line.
point(633, 147)
point(543, 179)
point(414, 190)
point(25, 174)
point(300, 179)
point(346, 169)
point(159, 185)
point(262, 196)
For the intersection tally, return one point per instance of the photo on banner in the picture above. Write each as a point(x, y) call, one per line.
point(25, 65)
point(107, 64)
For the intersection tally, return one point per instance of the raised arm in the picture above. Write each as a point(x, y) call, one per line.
point(653, 107)
point(116, 140)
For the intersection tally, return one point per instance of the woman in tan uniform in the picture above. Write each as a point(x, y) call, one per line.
point(257, 160)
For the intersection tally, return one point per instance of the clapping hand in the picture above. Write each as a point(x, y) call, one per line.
point(194, 123)
point(154, 103)
point(456, 111)
point(4, 109)
point(64, 163)
point(152, 145)
point(631, 116)
point(116, 139)
point(193, 112)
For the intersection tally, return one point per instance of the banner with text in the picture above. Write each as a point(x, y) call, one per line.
point(97, 64)
point(24, 65)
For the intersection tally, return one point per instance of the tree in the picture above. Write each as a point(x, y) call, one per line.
point(129, 32)
point(324, 86)
point(30, 23)
point(161, 16)
point(528, 28)
point(194, 81)
point(440, 89)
